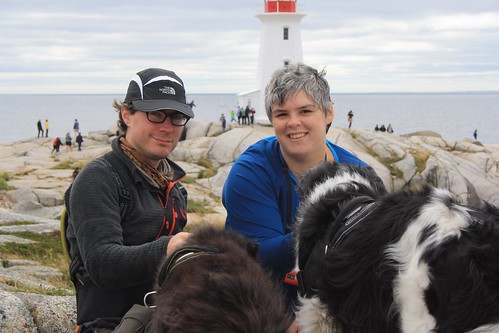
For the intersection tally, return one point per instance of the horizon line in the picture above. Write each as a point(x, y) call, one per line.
point(332, 93)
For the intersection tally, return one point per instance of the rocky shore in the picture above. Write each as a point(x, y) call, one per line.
point(37, 180)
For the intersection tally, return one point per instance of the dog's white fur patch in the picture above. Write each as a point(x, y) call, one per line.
point(486, 329)
point(414, 278)
point(312, 316)
point(342, 180)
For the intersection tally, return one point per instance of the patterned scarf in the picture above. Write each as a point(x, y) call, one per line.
point(159, 177)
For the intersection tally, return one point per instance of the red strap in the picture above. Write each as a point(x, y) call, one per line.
point(291, 278)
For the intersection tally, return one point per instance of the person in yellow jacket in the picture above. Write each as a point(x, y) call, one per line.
point(46, 128)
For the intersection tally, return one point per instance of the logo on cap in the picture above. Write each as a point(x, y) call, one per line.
point(167, 90)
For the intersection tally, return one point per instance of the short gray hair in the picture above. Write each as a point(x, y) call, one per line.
point(294, 78)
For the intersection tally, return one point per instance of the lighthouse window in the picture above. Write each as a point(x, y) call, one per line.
point(285, 33)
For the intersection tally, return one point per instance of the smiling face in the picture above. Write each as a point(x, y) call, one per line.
point(300, 128)
point(154, 141)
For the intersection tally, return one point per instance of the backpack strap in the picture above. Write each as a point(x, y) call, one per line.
point(64, 239)
point(137, 320)
point(124, 194)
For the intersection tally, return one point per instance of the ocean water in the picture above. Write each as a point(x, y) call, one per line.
point(454, 115)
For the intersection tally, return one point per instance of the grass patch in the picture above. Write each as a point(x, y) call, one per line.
point(420, 158)
point(207, 173)
point(4, 178)
point(16, 286)
point(389, 162)
point(199, 207)
point(46, 250)
point(5, 263)
point(204, 162)
point(69, 164)
point(23, 173)
point(187, 180)
point(209, 170)
point(17, 223)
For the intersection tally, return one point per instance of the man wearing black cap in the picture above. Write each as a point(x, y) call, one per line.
point(127, 209)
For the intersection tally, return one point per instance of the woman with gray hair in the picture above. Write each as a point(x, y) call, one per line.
point(260, 191)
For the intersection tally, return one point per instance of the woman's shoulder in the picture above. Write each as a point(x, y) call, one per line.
point(264, 149)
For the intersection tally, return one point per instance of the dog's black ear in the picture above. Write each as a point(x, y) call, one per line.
point(373, 177)
point(253, 249)
point(492, 210)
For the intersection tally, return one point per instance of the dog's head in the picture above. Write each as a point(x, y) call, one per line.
point(216, 285)
point(324, 190)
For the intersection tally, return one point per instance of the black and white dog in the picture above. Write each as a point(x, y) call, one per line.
point(411, 261)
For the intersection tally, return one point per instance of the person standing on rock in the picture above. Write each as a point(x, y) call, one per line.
point(76, 127)
point(260, 193)
point(46, 128)
point(40, 128)
point(127, 209)
point(79, 140)
point(223, 122)
point(389, 129)
point(233, 116)
point(69, 142)
point(350, 119)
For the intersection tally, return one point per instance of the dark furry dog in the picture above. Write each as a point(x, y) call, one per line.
point(214, 284)
point(412, 261)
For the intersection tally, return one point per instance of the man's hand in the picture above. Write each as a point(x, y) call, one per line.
point(176, 242)
point(294, 328)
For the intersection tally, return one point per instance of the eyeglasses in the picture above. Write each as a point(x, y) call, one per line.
point(158, 117)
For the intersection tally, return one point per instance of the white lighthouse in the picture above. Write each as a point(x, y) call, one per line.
point(280, 44)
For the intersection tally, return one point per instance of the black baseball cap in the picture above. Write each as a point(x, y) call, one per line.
point(157, 89)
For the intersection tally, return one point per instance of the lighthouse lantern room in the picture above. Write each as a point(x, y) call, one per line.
point(284, 6)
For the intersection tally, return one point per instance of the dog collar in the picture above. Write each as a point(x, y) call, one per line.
point(181, 256)
point(351, 214)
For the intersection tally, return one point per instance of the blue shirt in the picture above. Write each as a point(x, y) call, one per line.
point(256, 195)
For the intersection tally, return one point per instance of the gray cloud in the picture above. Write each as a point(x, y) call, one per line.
point(96, 46)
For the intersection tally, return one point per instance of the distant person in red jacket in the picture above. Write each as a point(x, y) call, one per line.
point(56, 144)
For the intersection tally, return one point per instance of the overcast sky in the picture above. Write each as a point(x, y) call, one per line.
point(89, 46)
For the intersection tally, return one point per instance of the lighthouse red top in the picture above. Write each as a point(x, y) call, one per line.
point(280, 6)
